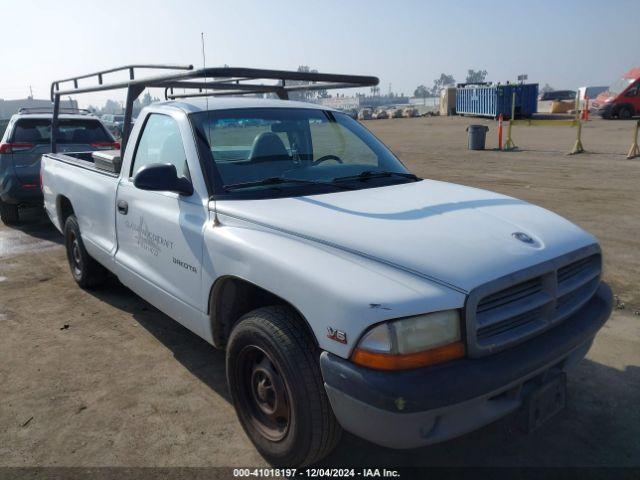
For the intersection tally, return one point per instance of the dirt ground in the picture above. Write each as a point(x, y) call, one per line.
point(104, 379)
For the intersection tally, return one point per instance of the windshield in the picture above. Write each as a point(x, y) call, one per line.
point(260, 149)
point(620, 85)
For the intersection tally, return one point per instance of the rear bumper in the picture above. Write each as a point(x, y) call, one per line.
point(424, 406)
point(15, 192)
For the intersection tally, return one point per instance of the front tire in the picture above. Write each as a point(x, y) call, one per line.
point(274, 377)
point(625, 113)
point(9, 213)
point(85, 270)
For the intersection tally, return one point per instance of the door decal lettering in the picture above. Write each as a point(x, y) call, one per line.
point(148, 240)
point(185, 265)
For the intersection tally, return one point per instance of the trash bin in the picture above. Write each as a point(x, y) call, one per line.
point(477, 136)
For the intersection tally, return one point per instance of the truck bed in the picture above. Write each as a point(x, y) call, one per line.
point(80, 159)
point(74, 179)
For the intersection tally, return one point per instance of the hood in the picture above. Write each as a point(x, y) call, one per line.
point(458, 236)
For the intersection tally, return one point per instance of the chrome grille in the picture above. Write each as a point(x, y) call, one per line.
point(509, 315)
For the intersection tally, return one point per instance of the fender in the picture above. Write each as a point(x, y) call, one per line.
point(316, 278)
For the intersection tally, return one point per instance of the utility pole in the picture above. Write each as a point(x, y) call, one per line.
point(30, 93)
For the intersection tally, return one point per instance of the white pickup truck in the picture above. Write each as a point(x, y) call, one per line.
point(347, 292)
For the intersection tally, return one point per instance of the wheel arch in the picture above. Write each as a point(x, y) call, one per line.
point(231, 297)
point(64, 209)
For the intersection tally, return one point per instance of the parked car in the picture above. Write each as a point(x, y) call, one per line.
point(364, 114)
point(3, 126)
point(590, 92)
point(352, 112)
point(26, 138)
point(411, 112)
point(622, 99)
point(380, 115)
point(114, 123)
point(395, 113)
point(348, 292)
point(558, 95)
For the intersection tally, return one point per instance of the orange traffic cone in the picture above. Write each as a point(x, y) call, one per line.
point(585, 109)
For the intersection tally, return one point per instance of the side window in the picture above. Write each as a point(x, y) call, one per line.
point(633, 91)
point(160, 143)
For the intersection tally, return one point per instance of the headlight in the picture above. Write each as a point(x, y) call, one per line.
point(411, 342)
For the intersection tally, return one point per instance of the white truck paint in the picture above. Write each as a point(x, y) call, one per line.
point(345, 260)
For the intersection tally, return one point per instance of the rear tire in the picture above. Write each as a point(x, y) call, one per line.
point(9, 214)
point(274, 377)
point(85, 270)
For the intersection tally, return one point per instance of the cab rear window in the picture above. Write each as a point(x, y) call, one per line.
point(38, 131)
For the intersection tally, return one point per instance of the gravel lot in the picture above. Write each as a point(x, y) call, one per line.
point(104, 379)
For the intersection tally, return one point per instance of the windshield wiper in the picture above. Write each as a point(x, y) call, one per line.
point(367, 174)
point(281, 180)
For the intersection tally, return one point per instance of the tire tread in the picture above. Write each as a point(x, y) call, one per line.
point(300, 351)
point(9, 214)
point(94, 274)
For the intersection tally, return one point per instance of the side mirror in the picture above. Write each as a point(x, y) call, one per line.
point(162, 177)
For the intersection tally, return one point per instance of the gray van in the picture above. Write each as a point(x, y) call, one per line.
point(27, 137)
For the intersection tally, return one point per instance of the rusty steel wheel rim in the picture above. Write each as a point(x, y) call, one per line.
point(264, 393)
point(75, 255)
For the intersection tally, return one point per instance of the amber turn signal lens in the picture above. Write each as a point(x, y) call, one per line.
point(387, 361)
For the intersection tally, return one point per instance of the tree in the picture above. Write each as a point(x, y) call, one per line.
point(421, 92)
point(137, 106)
point(305, 95)
point(147, 99)
point(476, 76)
point(442, 82)
point(546, 88)
point(112, 106)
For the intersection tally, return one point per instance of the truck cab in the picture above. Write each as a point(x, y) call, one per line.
point(622, 99)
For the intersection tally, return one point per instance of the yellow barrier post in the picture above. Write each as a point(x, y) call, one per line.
point(577, 147)
point(634, 151)
point(509, 145)
point(530, 122)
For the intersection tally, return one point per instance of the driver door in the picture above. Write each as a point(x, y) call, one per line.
point(160, 234)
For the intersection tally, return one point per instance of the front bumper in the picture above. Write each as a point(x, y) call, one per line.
point(605, 110)
point(429, 405)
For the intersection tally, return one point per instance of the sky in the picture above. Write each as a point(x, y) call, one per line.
point(565, 43)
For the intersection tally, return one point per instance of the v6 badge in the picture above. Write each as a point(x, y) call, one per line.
point(337, 335)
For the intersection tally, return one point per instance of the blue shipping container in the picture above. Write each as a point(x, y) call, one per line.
point(491, 101)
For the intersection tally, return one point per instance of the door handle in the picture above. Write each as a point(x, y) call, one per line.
point(123, 207)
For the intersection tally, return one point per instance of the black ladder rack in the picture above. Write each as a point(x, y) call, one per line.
point(216, 81)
